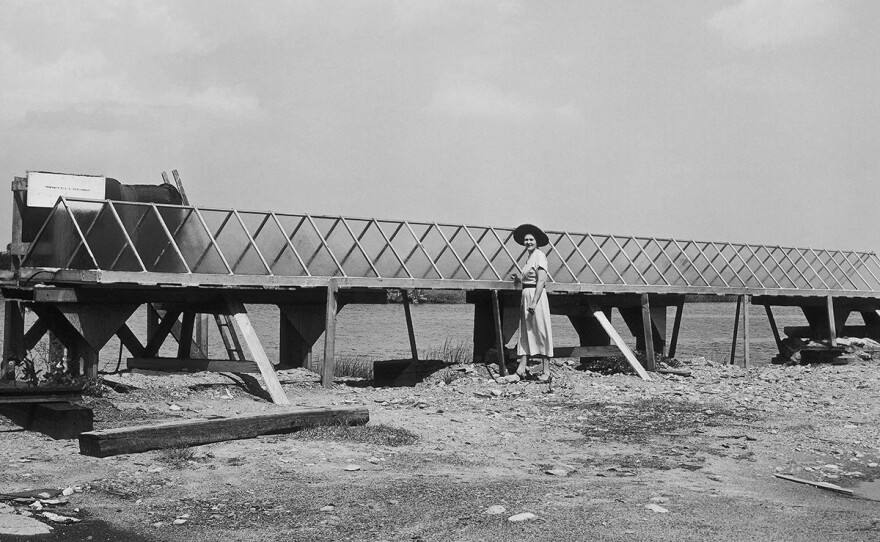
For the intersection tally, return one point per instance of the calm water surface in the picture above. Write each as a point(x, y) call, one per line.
point(379, 331)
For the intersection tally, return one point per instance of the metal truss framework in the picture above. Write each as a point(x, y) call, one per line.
point(121, 238)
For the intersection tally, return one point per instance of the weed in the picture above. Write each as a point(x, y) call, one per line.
point(457, 353)
point(176, 456)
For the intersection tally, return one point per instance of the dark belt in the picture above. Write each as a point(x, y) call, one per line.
point(529, 286)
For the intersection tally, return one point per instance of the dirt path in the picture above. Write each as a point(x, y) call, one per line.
point(585, 457)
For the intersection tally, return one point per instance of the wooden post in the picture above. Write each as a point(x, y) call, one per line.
point(201, 331)
point(409, 325)
point(13, 339)
point(89, 357)
point(735, 329)
point(186, 335)
point(152, 321)
point(256, 347)
point(774, 329)
point(483, 325)
point(676, 327)
point(649, 333)
point(499, 339)
point(615, 338)
point(327, 372)
point(832, 331)
point(746, 302)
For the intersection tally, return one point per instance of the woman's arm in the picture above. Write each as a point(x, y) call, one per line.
point(539, 288)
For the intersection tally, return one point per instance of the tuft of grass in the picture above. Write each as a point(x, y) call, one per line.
point(383, 435)
point(354, 366)
point(176, 456)
point(454, 352)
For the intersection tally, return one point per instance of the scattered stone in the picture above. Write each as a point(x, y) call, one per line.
point(352, 467)
point(68, 491)
point(496, 392)
point(58, 518)
point(656, 508)
point(178, 521)
point(524, 516)
point(556, 471)
point(328, 508)
point(16, 525)
point(174, 407)
point(495, 509)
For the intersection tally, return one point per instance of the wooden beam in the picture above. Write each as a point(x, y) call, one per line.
point(195, 432)
point(130, 341)
point(35, 333)
point(185, 340)
point(832, 332)
point(249, 334)
point(499, 338)
point(409, 325)
point(177, 364)
point(735, 328)
point(161, 333)
point(649, 333)
point(615, 338)
point(13, 339)
point(329, 368)
point(59, 420)
point(676, 327)
point(746, 303)
point(774, 329)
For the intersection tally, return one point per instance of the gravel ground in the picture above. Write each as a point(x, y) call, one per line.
point(592, 457)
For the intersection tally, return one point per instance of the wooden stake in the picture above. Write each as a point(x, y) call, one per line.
point(649, 332)
point(774, 329)
point(615, 338)
point(327, 372)
point(499, 339)
point(155, 341)
point(256, 347)
point(746, 302)
point(832, 331)
point(735, 328)
point(409, 325)
point(676, 327)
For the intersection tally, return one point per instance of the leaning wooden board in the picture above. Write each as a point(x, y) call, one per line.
point(204, 431)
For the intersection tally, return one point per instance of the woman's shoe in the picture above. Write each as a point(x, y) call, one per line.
point(544, 377)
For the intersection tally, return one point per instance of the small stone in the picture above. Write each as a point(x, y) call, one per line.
point(352, 467)
point(524, 516)
point(67, 491)
point(556, 471)
point(178, 521)
point(58, 518)
point(328, 508)
point(659, 500)
point(374, 460)
point(656, 508)
point(874, 465)
point(174, 407)
point(495, 509)
point(496, 392)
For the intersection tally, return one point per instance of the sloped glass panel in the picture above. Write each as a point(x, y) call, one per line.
point(53, 246)
point(469, 252)
point(377, 248)
point(590, 246)
point(309, 246)
point(405, 242)
point(440, 252)
point(273, 245)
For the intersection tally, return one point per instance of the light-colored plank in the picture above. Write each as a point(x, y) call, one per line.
point(328, 371)
point(256, 347)
point(409, 325)
point(616, 339)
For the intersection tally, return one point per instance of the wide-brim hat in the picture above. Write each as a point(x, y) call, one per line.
point(519, 234)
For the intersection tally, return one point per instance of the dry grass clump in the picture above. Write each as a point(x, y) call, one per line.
point(383, 435)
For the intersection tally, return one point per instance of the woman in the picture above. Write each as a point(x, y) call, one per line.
point(535, 335)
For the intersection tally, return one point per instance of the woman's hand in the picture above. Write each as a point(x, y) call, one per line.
point(532, 309)
point(515, 277)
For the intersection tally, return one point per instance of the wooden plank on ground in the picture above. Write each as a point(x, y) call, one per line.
point(192, 364)
point(616, 339)
point(249, 334)
point(204, 431)
point(59, 420)
point(823, 485)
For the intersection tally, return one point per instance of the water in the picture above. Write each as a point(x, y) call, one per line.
point(379, 331)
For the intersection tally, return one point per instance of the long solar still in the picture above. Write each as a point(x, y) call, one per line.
point(123, 241)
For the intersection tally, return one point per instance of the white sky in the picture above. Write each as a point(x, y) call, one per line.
point(729, 120)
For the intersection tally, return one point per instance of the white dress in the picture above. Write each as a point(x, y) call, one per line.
point(535, 335)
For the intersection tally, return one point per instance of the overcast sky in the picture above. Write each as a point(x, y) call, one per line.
point(727, 120)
